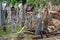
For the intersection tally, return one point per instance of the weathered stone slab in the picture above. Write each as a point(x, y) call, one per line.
point(1, 15)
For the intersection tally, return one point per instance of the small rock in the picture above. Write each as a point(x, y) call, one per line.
point(51, 28)
point(21, 36)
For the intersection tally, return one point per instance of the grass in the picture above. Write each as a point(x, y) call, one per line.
point(28, 37)
point(5, 33)
point(9, 30)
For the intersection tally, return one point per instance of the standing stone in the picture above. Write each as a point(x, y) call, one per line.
point(0, 12)
point(17, 14)
point(13, 19)
point(33, 16)
point(50, 9)
point(21, 16)
point(39, 27)
point(13, 24)
point(17, 11)
point(26, 23)
point(1, 15)
point(9, 16)
point(31, 19)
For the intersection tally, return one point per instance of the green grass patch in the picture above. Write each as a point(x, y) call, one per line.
point(9, 30)
point(18, 28)
point(28, 37)
point(5, 33)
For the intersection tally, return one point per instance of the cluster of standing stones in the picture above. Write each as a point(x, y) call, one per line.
point(12, 18)
point(2, 18)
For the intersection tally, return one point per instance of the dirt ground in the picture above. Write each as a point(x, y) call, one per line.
point(52, 38)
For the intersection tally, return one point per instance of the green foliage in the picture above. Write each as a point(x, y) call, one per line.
point(13, 2)
point(5, 33)
point(36, 10)
point(28, 37)
point(55, 2)
point(9, 30)
point(30, 2)
point(20, 1)
point(1, 1)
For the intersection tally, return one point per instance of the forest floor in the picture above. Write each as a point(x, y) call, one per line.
point(29, 37)
point(13, 36)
